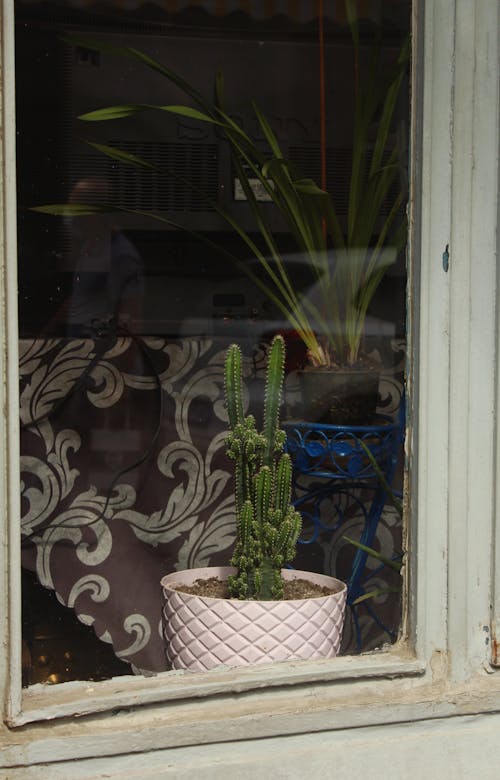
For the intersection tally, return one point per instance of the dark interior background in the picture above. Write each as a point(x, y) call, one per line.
point(272, 60)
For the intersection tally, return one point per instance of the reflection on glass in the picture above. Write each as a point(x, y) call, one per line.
point(174, 236)
point(107, 285)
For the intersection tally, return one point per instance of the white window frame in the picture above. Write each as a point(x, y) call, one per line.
point(442, 666)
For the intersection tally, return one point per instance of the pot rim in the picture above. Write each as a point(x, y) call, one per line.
point(340, 370)
point(222, 572)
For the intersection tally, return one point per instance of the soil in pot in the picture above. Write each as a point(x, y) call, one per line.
point(293, 589)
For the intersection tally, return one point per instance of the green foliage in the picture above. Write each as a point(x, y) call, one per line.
point(347, 262)
point(268, 526)
point(396, 564)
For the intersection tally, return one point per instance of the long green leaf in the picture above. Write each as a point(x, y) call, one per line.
point(112, 112)
point(120, 155)
point(307, 211)
point(396, 565)
point(248, 155)
point(268, 133)
point(121, 112)
point(391, 95)
point(82, 209)
point(382, 479)
point(131, 53)
point(374, 593)
point(309, 187)
point(73, 209)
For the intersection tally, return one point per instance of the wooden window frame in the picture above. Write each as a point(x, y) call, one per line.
point(443, 664)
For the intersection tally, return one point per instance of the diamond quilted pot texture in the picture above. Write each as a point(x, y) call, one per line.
point(202, 632)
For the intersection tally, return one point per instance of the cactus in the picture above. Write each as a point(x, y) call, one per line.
point(268, 526)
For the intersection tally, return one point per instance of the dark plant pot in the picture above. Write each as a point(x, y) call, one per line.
point(345, 396)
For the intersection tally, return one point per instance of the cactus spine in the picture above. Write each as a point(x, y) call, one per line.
point(268, 526)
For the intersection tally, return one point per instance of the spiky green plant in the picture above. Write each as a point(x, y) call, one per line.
point(347, 263)
point(268, 526)
point(396, 563)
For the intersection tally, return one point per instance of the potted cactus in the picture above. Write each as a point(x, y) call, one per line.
point(264, 612)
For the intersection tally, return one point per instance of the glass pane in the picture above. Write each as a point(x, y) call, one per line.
point(252, 181)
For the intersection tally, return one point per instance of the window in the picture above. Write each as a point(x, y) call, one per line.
point(125, 316)
point(451, 485)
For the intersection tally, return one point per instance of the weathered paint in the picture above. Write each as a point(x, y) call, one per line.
point(460, 750)
point(427, 708)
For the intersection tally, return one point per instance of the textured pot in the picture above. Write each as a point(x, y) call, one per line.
point(202, 633)
point(339, 396)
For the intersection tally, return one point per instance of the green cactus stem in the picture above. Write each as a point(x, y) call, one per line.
point(268, 526)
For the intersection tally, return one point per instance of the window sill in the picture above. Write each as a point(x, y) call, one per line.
point(85, 698)
point(203, 709)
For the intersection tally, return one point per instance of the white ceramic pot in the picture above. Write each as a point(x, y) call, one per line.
point(202, 633)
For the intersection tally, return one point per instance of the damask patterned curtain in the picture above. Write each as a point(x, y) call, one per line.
point(124, 479)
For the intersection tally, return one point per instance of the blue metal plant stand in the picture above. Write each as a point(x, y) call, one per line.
point(332, 469)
